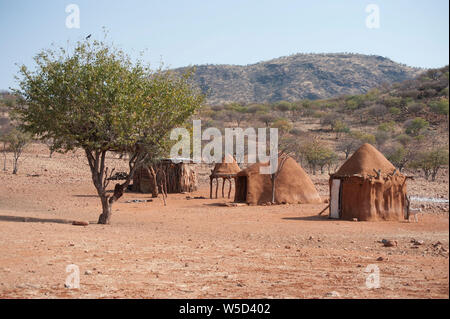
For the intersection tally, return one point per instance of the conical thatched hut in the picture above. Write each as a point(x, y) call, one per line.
point(228, 166)
point(226, 170)
point(292, 185)
point(368, 187)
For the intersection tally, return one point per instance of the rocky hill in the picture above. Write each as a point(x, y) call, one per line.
point(297, 77)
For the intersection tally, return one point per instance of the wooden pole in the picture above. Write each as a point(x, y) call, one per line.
point(210, 186)
point(223, 187)
point(217, 186)
point(321, 212)
point(229, 191)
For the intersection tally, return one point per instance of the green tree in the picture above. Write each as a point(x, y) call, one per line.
point(97, 99)
point(399, 155)
point(296, 111)
point(340, 127)
point(329, 119)
point(284, 126)
point(266, 118)
point(348, 145)
point(317, 155)
point(431, 161)
point(16, 141)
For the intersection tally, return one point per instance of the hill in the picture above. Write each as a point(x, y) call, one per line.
point(300, 76)
point(406, 121)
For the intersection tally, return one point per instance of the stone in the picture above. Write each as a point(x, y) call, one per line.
point(389, 243)
point(80, 223)
point(332, 294)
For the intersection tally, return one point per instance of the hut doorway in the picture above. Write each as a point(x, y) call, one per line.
point(241, 189)
point(335, 196)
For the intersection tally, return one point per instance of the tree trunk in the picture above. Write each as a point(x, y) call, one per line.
point(15, 165)
point(273, 188)
point(4, 156)
point(105, 216)
point(154, 181)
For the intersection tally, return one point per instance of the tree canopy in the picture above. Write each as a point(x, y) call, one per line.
point(96, 98)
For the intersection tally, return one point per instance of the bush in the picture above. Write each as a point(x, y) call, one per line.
point(381, 137)
point(329, 119)
point(440, 107)
point(378, 111)
point(364, 137)
point(393, 102)
point(283, 106)
point(415, 107)
point(416, 126)
point(387, 127)
point(394, 110)
point(403, 139)
point(297, 132)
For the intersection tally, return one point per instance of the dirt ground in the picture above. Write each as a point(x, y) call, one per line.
point(199, 249)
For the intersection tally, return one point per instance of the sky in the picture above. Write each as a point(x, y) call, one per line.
point(180, 33)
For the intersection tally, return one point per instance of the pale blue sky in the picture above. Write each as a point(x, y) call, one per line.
point(180, 33)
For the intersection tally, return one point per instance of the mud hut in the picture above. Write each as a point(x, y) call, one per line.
point(166, 176)
point(292, 185)
point(226, 170)
point(368, 187)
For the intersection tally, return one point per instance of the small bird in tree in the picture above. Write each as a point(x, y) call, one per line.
point(88, 36)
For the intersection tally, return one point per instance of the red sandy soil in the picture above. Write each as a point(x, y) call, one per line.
point(198, 249)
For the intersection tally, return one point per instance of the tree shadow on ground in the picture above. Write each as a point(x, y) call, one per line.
point(309, 218)
point(85, 196)
point(24, 219)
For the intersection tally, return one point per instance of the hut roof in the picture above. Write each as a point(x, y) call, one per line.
point(293, 185)
point(228, 166)
point(364, 161)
